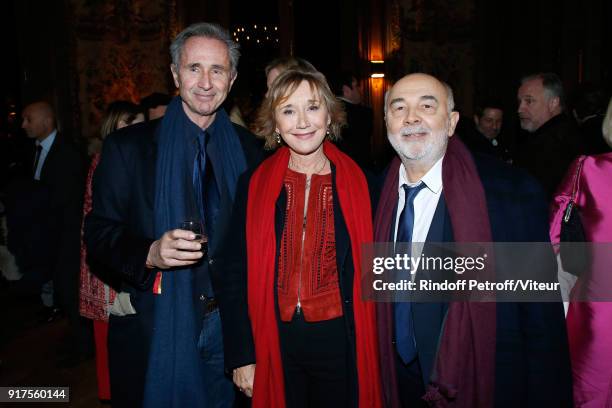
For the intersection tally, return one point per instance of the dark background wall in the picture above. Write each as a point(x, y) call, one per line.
point(36, 48)
point(515, 38)
point(489, 44)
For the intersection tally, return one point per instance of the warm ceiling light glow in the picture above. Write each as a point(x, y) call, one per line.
point(377, 62)
point(255, 26)
point(248, 38)
point(377, 75)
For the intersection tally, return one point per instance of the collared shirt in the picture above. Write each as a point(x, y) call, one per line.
point(425, 202)
point(46, 146)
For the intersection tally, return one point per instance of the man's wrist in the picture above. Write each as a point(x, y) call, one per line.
point(149, 261)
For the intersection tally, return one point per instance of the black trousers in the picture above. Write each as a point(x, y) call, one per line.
point(315, 363)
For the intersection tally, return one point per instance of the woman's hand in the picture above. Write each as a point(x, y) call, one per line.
point(244, 377)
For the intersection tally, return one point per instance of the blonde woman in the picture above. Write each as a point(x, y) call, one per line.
point(304, 338)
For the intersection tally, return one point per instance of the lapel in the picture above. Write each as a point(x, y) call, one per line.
point(393, 222)
point(222, 214)
point(343, 243)
point(32, 159)
point(440, 229)
point(428, 317)
point(50, 159)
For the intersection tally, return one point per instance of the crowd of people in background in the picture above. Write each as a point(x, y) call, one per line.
point(268, 288)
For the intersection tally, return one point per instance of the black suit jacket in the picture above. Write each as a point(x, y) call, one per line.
point(547, 153)
point(119, 232)
point(63, 174)
point(44, 219)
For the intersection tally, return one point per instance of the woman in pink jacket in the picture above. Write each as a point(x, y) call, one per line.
point(589, 323)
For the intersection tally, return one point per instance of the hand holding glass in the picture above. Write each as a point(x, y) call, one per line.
point(198, 228)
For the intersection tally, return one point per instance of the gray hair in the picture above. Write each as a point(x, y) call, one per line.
point(553, 87)
point(207, 30)
point(450, 99)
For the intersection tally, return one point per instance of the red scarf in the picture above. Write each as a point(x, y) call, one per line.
point(264, 190)
point(464, 368)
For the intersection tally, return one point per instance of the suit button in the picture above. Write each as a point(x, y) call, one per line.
point(211, 261)
point(347, 301)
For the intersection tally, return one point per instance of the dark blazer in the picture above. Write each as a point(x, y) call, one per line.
point(63, 173)
point(45, 220)
point(118, 233)
point(547, 153)
point(532, 359)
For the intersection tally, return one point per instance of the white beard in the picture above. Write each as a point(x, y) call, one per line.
point(427, 150)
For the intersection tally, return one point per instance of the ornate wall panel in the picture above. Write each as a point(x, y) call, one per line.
point(120, 51)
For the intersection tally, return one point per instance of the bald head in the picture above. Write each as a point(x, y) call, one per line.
point(38, 120)
point(420, 119)
point(423, 81)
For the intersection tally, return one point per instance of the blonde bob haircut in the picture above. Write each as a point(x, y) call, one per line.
point(283, 87)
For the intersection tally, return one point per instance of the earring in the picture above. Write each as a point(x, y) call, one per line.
point(328, 133)
point(278, 138)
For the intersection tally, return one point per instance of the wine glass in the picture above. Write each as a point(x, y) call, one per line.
point(199, 229)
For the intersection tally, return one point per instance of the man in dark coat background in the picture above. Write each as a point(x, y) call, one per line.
point(552, 141)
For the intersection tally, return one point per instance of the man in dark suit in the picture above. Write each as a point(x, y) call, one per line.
point(44, 221)
point(356, 135)
point(50, 201)
point(442, 194)
point(486, 136)
point(553, 139)
point(165, 345)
